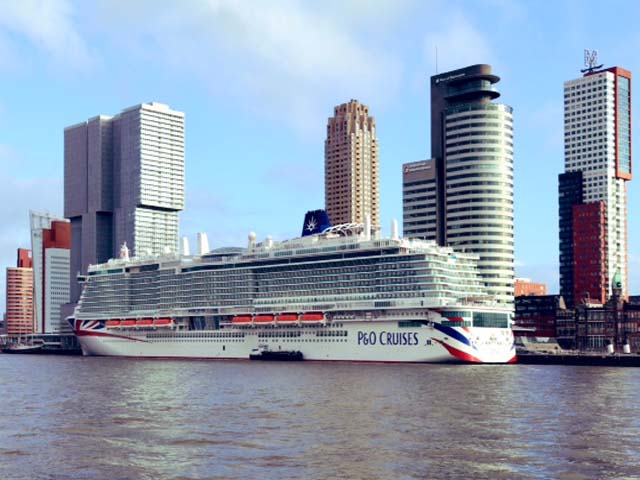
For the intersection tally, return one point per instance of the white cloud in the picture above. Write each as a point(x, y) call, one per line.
point(290, 59)
point(19, 195)
point(459, 44)
point(48, 25)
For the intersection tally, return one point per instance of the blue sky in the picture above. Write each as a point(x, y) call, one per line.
point(257, 81)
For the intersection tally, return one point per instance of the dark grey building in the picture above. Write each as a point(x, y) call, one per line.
point(570, 193)
point(123, 182)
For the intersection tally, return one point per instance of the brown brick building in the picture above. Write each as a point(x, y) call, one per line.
point(351, 165)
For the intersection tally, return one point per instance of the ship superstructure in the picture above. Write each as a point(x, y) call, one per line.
point(335, 295)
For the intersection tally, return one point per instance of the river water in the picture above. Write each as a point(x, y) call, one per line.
point(111, 418)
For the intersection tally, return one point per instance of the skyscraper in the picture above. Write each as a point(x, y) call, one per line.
point(463, 196)
point(50, 244)
point(351, 165)
point(593, 191)
point(419, 203)
point(124, 182)
point(19, 315)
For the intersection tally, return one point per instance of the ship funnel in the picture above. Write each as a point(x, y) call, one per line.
point(185, 247)
point(367, 227)
point(203, 243)
point(394, 229)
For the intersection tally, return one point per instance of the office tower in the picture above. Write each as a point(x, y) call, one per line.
point(19, 315)
point(50, 244)
point(463, 196)
point(124, 182)
point(351, 165)
point(592, 190)
point(419, 209)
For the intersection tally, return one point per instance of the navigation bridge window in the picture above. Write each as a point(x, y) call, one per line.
point(490, 320)
point(409, 324)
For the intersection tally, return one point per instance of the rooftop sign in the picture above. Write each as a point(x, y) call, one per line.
point(591, 61)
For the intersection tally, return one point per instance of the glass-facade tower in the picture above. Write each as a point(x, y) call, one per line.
point(472, 152)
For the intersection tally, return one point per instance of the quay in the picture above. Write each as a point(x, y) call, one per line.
point(579, 358)
point(43, 344)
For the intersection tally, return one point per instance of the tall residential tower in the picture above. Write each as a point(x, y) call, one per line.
point(593, 188)
point(463, 196)
point(124, 182)
point(351, 165)
point(19, 318)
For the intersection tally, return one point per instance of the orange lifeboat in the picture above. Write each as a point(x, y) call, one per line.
point(128, 323)
point(113, 323)
point(263, 319)
point(241, 319)
point(162, 321)
point(144, 322)
point(312, 317)
point(287, 317)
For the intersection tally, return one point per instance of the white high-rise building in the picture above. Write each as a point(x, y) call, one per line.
point(149, 157)
point(124, 182)
point(50, 244)
point(463, 196)
point(593, 192)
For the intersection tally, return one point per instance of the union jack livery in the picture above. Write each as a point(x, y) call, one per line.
point(336, 295)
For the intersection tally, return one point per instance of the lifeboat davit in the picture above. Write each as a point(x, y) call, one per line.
point(128, 323)
point(263, 319)
point(312, 317)
point(241, 319)
point(287, 318)
point(113, 323)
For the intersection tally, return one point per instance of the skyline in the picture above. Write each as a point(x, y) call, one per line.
point(256, 111)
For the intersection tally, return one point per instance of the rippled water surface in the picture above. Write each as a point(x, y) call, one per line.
point(110, 418)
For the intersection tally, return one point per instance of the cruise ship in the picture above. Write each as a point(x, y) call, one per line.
point(334, 294)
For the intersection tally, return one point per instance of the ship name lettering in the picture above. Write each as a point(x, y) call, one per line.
point(388, 338)
point(399, 338)
point(367, 338)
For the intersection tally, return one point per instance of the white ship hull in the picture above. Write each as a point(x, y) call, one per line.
point(353, 341)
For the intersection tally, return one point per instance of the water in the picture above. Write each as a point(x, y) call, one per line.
point(110, 418)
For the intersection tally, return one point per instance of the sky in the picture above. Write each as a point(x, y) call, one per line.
point(257, 81)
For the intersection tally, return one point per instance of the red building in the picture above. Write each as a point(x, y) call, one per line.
point(19, 317)
point(524, 286)
point(535, 315)
point(593, 189)
point(56, 245)
point(591, 282)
